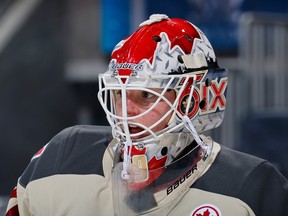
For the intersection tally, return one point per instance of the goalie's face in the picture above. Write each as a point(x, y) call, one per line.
point(139, 101)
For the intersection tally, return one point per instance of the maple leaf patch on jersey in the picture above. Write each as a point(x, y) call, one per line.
point(206, 210)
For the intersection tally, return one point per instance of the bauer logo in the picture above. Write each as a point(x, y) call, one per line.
point(130, 66)
point(206, 210)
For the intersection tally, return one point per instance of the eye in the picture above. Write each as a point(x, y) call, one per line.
point(147, 95)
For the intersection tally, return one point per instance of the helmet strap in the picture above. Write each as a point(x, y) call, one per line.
point(189, 125)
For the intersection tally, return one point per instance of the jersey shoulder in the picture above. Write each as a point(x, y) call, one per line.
point(231, 170)
point(75, 150)
point(246, 177)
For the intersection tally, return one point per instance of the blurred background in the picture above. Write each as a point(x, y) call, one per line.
point(51, 53)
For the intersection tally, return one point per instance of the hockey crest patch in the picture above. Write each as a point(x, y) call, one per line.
point(206, 210)
point(40, 152)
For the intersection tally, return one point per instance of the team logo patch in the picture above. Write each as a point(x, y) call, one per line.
point(40, 152)
point(206, 210)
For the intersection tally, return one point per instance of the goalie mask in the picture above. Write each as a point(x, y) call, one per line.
point(166, 61)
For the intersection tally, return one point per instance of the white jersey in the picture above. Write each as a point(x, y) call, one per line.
point(71, 175)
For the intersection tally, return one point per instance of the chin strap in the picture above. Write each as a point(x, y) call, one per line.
point(188, 124)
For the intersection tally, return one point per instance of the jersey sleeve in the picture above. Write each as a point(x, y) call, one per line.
point(12, 207)
point(271, 189)
point(66, 153)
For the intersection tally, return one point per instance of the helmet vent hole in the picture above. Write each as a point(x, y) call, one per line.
point(188, 37)
point(164, 151)
point(179, 57)
point(156, 38)
point(208, 82)
point(202, 104)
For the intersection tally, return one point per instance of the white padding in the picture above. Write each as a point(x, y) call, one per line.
point(196, 60)
point(154, 18)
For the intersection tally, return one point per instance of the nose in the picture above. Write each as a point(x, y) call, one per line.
point(132, 108)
